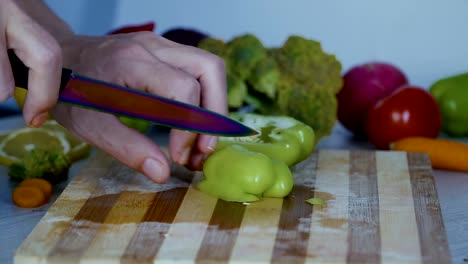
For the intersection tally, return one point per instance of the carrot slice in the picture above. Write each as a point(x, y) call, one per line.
point(444, 154)
point(28, 196)
point(42, 184)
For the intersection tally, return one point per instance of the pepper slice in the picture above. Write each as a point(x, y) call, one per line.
point(237, 174)
point(282, 138)
point(451, 95)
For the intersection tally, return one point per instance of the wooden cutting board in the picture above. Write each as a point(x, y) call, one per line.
point(382, 207)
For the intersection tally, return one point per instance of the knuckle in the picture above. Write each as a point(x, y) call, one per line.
point(49, 55)
point(216, 62)
point(191, 88)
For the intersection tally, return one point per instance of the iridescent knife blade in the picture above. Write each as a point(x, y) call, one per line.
point(94, 94)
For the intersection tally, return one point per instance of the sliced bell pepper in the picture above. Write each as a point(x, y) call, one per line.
point(237, 174)
point(451, 95)
point(282, 138)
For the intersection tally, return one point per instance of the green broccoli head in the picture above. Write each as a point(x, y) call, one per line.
point(237, 90)
point(310, 79)
point(311, 103)
point(306, 62)
point(49, 164)
point(213, 45)
point(243, 53)
point(264, 77)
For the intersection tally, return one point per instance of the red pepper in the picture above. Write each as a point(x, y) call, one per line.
point(134, 28)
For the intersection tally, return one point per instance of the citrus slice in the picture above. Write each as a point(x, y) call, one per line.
point(4, 135)
point(78, 148)
point(19, 142)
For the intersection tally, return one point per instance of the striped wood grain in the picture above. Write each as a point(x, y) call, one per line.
point(382, 207)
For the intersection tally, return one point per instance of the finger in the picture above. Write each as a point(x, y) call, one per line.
point(166, 81)
point(127, 145)
point(197, 160)
point(209, 70)
point(39, 51)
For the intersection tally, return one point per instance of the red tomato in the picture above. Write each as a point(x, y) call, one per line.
point(409, 111)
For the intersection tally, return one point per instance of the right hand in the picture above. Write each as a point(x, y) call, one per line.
point(153, 64)
point(39, 51)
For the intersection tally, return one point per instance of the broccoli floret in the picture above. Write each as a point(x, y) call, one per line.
point(243, 53)
point(49, 164)
point(213, 45)
point(264, 77)
point(305, 61)
point(309, 82)
point(237, 90)
point(312, 104)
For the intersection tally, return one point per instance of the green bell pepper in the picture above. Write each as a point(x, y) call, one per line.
point(282, 138)
point(451, 95)
point(237, 174)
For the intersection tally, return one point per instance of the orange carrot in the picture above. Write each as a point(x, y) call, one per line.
point(28, 196)
point(42, 184)
point(444, 154)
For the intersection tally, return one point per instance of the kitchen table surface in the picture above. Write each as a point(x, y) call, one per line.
point(452, 188)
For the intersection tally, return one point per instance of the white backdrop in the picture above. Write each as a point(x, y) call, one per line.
point(428, 39)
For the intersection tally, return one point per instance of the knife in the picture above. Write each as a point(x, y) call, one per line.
point(106, 97)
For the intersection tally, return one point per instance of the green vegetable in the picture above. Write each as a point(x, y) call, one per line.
point(451, 95)
point(242, 54)
point(298, 79)
point(137, 124)
point(316, 201)
point(237, 174)
point(264, 77)
point(237, 90)
point(48, 164)
point(309, 82)
point(213, 45)
point(282, 138)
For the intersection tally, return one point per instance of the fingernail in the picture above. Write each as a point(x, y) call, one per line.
point(39, 119)
point(153, 169)
point(212, 143)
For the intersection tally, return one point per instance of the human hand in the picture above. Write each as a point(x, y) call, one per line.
point(39, 51)
point(156, 65)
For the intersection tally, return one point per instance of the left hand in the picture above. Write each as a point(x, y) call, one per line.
point(153, 64)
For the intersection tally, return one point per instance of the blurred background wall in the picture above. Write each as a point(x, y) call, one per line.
point(428, 39)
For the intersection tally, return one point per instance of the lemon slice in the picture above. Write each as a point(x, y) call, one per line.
point(78, 148)
point(19, 142)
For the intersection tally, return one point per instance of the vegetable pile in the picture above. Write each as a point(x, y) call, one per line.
point(298, 79)
point(377, 102)
point(39, 157)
